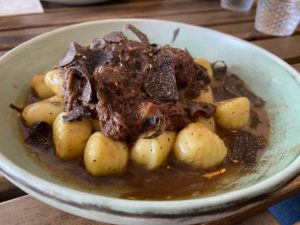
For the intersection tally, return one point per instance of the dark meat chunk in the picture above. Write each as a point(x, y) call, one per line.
point(40, 135)
point(117, 102)
point(133, 87)
point(246, 147)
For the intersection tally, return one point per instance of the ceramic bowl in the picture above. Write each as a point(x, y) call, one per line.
point(268, 76)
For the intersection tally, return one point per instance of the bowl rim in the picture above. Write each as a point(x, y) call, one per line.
point(151, 207)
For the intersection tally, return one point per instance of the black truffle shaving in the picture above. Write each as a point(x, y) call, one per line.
point(236, 86)
point(246, 147)
point(74, 49)
point(77, 113)
point(158, 128)
point(161, 82)
point(143, 38)
point(86, 95)
point(219, 69)
point(97, 43)
point(16, 108)
point(40, 135)
point(232, 86)
point(114, 37)
point(175, 34)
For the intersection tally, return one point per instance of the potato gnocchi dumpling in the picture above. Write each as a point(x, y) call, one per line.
point(104, 156)
point(39, 86)
point(153, 152)
point(54, 81)
point(70, 137)
point(95, 124)
point(205, 96)
point(206, 64)
point(208, 122)
point(233, 114)
point(45, 110)
point(199, 147)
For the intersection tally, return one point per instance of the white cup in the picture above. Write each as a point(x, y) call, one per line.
point(237, 5)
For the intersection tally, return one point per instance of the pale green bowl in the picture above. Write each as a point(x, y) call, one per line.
point(269, 77)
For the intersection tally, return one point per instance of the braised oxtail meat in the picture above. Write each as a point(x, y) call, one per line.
point(132, 87)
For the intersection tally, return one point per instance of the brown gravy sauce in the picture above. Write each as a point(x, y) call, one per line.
point(172, 181)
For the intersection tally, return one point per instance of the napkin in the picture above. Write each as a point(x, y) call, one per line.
point(16, 7)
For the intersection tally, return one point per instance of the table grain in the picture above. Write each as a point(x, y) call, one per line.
point(16, 207)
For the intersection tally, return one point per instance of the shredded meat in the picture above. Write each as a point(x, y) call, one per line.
point(132, 87)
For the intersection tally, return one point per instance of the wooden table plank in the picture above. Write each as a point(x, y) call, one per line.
point(2, 53)
point(106, 12)
point(11, 38)
point(297, 67)
point(211, 18)
point(53, 8)
point(28, 211)
point(8, 190)
point(287, 48)
point(245, 31)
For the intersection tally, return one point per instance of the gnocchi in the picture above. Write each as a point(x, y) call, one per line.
point(54, 81)
point(206, 64)
point(233, 114)
point(208, 122)
point(95, 124)
point(199, 147)
point(39, 86)
point(70, 137)
point(153, 152)
point(104, 156)
point(45, 110)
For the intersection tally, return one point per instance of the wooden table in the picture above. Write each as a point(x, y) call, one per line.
point(18, 208)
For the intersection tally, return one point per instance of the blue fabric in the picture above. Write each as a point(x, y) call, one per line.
point(287, 212)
